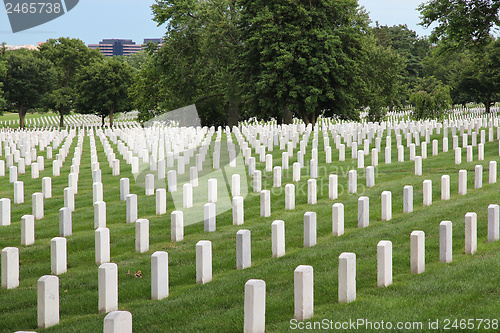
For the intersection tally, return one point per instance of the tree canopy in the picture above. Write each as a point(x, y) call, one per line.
point(461, 22)
point(302, 58)
point(68, 56)
point(102, 88)
point(27, 80)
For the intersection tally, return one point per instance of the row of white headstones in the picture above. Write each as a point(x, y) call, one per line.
point(243, 237)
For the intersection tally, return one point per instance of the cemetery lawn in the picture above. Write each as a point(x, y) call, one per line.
point(466, 288)
point(14, 116)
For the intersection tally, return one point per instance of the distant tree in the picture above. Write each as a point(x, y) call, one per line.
point(136, 60)
point(407, 44)
point(480, 79)
point(449, 68)
point(196, 63)
point(383, 77)
point(461, 23)
point(302, 58)
point(68, 56)
point(431, 99)
point(102, 88)
point(28, 79)
point(3, 72)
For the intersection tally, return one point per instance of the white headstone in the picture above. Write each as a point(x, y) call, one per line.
point(209, 217)
point(493, 227)
point(265, 203)
point(37, 205)
point(462, 182)
point(48, 301)
point(65, 222)
point(108, 287)
point(177, 226)
point(149, 184)
point(172, 180)
point(159, 275)
point(18, 192)
point(102, 246)
point(124, 188)
point(118, 322)
point(386, 203)
point(27, 229)
point(142, 235)
point(235, 185)
point(384, 263)
point(445, 241)
point(303, 287)
point(353, 181)
point(238, 210)
point(69, 198)
point(417, 251)
point(408, 199)
point(458, 155)
point(363, 212)
point(212, 189)
point(203, 261)
point(47, 187)
point(333, 187)
point(445, 187)
point(478, 176)
point(243, 249)
point(470, 233)
point(10, 267)
point(161, 201)
point(309, 229)
point(370, 176)
point(347, 277)
point(58, 255)
point(427, 192)
point(492, 176)
point(187, 195)
point(131, 208)
point(289, 196)
point(418, 166)
point(278, 238)
point(255, 307)
point(277, 176)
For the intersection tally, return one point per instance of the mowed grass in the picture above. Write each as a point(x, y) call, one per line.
point(466, 288)
point(13, 117)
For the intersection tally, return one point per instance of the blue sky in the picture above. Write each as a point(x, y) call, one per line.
point(93, 20)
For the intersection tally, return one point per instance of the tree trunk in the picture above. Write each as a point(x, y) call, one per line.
point(102, 119)
point(233, 114)
point(313, 119)
point(305, 118)
point(111, 113)
point(61, 119)
point(22, 115)
point(288, 116)
point(487, 105)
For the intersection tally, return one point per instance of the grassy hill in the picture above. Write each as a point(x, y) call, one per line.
point(466, 288)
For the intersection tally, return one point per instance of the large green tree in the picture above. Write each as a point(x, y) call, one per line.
point(3, 71)
point(407, 44)
point(431, 99)
point(302, 58)
point(27, 80)
point(461, 23)
point(479, 80)
point(195, 64)
point(102, 88)
point(69, 56)
point(383, 78)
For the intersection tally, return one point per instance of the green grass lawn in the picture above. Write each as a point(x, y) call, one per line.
point(466, 288)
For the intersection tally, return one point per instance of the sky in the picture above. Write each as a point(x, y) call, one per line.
point(94, 20)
